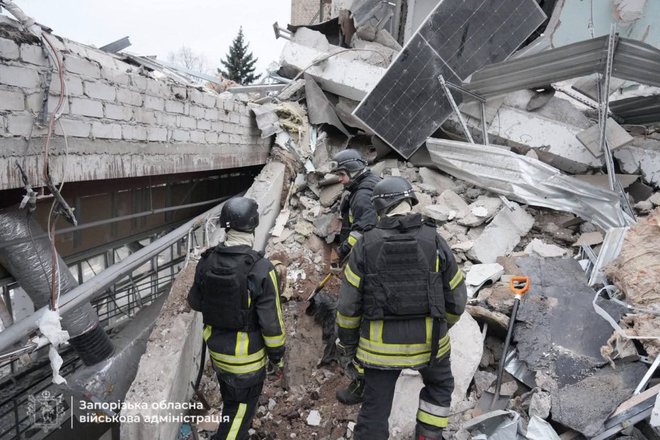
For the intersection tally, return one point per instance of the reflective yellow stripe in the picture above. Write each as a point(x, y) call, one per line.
point(397, 349)
point(238, 360)
point(376, 331)
point(392, 361)
point(273, 278)
point(437, 263)
point(348, 322)
point(240, 368)
point(358, 367)
point(351, 277)
point(238, 421)
point(451, 318)
point(242, 341)
point(429, 329)
point(206, 334)
point(456, 280)
point(249, 298)
point(352, 240)
point(350, 218)
point(274, 341)
point(436, 410)
point(429, 419)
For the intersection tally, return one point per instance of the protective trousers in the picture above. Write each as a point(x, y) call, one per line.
point(239, 406)
point(434, 401)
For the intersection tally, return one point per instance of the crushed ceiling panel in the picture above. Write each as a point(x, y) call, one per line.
point(457, 38)
point(633, 60)
point(526, 180)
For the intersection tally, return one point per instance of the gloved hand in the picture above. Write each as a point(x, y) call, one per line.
point(346, 355)
point(275, 368)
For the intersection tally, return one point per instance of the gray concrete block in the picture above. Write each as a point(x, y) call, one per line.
point(197, 137)
point(8, 49)
point(211, 137)
point(73, 84)
point(179, 92)
point(115, 77)
point(235, 139)
point(86, 107)
point(32, 54)
point(166, 119)
point(195, 96)
point(180, 135)
point(208, 100)
point(106, 131)
point(158, 88)
point(223, 138)
point(139, 82)
point(186, 122)
point(82, 67)
point(234, 117)
point(20, 77)
point(118, 112)
point(197, 111)
point(126, 96)
point(218, 126)
point(203, 124)
point(502, 235)
point(144, 116)
point(99, 90)
point(74, 128)
point(155, 134)
point(134, 132)
point(174, 106)
point(19, 124)
point(615, 134)
point(12, 100)
point(154, 103)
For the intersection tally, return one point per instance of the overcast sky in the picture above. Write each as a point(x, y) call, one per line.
point(156, 27)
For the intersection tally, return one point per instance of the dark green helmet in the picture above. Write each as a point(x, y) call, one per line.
point(390, 191)
point(240, 213)
point(348, 160)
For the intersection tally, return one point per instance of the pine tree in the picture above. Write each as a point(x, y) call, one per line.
point(239, 63)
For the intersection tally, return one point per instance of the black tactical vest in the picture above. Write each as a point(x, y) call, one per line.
point(400, 280)
point(225, 286)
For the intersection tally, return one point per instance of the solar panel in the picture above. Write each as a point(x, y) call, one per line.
point(458, 38)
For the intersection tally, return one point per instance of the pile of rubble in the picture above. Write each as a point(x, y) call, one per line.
point(532, 199)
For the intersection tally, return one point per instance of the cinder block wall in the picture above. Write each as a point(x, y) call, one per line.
point(113, 107)
point(304, 12)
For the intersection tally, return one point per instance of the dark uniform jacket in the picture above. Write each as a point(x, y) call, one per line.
point(241, 356)
point(393, 342)
point(357, 211)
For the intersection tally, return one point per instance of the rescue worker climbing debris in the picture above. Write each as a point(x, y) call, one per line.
point(401, 292)
point(236, 289)
point(357, 213)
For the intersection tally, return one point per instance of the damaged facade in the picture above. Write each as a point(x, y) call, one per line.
point(525, 167)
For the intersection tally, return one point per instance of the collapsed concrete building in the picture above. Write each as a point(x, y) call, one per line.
point(494, 112)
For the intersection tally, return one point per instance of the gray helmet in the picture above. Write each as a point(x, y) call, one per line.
point(390, 191)
point(240, 213)
point(348, 160)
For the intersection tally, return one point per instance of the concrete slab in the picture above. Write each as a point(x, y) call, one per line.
point(615, 134)
point(480, 211)
point(644, 159)
point(541, 249)
point(502, 235)
point(267, 191)
point(518, 127)
point(558, 331)
point(339, 74)
point(585, 405)
point(437, 180)
point(447, 207)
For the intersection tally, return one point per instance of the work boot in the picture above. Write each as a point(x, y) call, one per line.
point(353, 394)
point(422, 433)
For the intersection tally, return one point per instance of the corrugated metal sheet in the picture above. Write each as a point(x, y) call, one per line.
point(637, 110)
point(633, 60)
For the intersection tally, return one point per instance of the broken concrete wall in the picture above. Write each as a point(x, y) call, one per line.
point(641, 157)
point(119, 119)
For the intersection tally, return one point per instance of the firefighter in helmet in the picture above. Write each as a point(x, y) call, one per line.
point(357, 214)
point(401, 292)
point(236, 289)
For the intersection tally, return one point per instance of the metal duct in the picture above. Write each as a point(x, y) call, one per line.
point(30, 263)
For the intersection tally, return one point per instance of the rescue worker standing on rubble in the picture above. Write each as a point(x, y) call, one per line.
point(236, 289)
point(357, 213)
point(401, 292)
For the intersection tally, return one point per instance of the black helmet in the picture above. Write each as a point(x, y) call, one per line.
point(348, 160)
point(390, 191)
point(240, 213)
